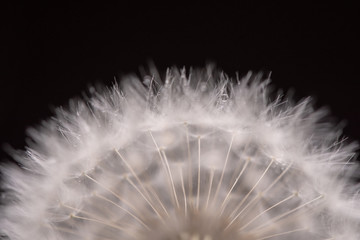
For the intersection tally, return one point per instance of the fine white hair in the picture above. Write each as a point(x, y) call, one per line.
point(195, 155)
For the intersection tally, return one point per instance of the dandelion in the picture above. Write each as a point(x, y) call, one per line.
point(196, 156)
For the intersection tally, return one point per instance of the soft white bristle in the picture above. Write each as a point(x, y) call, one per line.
point(194, 156)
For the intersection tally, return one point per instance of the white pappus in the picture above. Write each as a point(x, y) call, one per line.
point(193, 156)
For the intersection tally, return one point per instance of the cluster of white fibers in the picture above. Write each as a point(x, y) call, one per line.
point(194, 156)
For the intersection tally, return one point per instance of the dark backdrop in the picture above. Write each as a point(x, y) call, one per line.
point(51, 53)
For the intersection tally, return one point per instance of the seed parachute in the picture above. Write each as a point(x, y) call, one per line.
point(193, 155)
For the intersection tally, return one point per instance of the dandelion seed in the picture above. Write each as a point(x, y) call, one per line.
point(195, 156)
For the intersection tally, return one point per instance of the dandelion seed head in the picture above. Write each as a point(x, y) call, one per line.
point(195, 155)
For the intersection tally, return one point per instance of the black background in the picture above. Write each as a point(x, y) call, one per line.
point(52, 52)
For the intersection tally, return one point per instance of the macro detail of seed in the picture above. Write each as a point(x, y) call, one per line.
point(193, 156)
point(190, 186)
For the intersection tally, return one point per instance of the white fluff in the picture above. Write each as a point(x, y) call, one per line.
point(195, 156)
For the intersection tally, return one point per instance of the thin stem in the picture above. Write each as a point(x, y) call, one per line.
point(278, 178)
point(152, 191)
point(110, 191)
point(273, 220)
point(132, 171)
point(267, 189)
point(210, 187)
point(248, 194)
point(164, 162)
point(283, 233)
point(223, 171)
point(236, 180)
point(117, 205)
point(199, 171)
point(183, 189)
point(99, 221)
point(171, 178)
point(189, 162)
point(144, 197)
point(77, 210)
point(268, 209)
point(246, 206)
point(94, 218)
